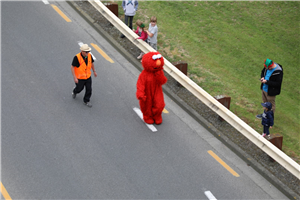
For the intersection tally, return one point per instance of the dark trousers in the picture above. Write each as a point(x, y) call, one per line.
point(88, 88)
point(266, 130)
point(130, 21)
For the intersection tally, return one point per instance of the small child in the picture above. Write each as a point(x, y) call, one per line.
point(267, 118)
point(140, 31)
point(152, 33)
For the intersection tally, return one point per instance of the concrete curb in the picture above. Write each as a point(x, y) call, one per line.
point(237, 150)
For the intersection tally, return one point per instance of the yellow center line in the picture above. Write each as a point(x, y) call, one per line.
point(61, 13)
point(4, 192)
point(165, 111)
point(102, 53)
point(223, 163)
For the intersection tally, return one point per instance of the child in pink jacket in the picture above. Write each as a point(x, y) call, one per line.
point(140, 31)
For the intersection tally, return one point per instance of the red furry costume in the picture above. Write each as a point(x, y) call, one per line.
point(149, 88)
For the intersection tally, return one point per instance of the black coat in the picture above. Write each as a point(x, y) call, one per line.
point(274, 82)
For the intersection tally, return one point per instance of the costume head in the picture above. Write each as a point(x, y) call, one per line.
point(153, 61)
point(268, 63)
point(267, 105)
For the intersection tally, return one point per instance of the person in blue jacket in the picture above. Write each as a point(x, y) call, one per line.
point(129, 7)
point(267, 119)
point(271, 80)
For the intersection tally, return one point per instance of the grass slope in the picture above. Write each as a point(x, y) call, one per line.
point(225, 44)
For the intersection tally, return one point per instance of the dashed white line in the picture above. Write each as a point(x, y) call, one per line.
point(209, 195)
point(45, 1)
point(140, 114)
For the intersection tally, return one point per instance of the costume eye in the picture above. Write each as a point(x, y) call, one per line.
point(155, 57)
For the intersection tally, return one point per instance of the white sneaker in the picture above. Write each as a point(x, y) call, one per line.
point(140, 56)
point(88, 104)
point(263, 134)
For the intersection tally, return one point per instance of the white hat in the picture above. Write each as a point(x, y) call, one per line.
point(85, 47)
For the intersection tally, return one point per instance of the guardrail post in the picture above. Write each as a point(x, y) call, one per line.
point(182, 66)
point(276, 139)
point(113, 7)
point(225, 101)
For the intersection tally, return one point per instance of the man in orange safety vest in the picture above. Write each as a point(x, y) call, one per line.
point(81, 70)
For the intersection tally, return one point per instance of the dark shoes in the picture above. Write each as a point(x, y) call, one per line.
point(73, 95)
point(122, 36)
point(88, 104)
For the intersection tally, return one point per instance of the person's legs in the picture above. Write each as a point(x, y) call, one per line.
point(146, 110)
point(130, 22)
point(267, 98)
point(267, 130)
point(271, 99)
point(79, 86)
point(141, 55)
point(264, 131)
point(153, 45)
point(126, 20)
point(264, 96)
point(88, 90)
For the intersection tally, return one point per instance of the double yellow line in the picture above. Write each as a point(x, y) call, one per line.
point(94, 45)
point(60, 13)
point(102, 53)
point(223, 163)
point(4, 192)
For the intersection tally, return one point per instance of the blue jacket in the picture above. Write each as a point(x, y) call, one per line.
point(275, 80)
point(267, 118)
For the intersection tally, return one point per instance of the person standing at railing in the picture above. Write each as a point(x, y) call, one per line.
point(152, 33)
point(271, 79)
point(129, 7)
point(140, 31)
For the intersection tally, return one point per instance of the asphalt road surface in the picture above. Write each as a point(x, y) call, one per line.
point(54, 147)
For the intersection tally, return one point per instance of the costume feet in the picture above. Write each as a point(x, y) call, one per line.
point(148, 120)
point(158, 120)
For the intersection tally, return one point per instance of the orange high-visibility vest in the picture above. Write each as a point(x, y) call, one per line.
point(83, 71)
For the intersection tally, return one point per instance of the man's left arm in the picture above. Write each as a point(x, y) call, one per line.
point(93, 68)
point(277, 82)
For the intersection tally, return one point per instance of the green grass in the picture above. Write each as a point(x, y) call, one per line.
point(225, 44)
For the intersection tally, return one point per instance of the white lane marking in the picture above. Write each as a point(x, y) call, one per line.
point(209, 195)
point(45, 1)
point(140, 114)
point(80, 44)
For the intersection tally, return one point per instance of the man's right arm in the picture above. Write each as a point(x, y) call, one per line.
point(73, 73)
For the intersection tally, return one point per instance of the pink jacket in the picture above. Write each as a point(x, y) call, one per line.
point(143, 36)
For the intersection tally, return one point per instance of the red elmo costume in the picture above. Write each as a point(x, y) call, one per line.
point(149, 88)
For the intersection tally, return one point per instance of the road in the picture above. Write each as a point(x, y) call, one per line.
point(54, 147)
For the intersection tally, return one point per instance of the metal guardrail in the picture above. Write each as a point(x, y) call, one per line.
point(206, 98)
